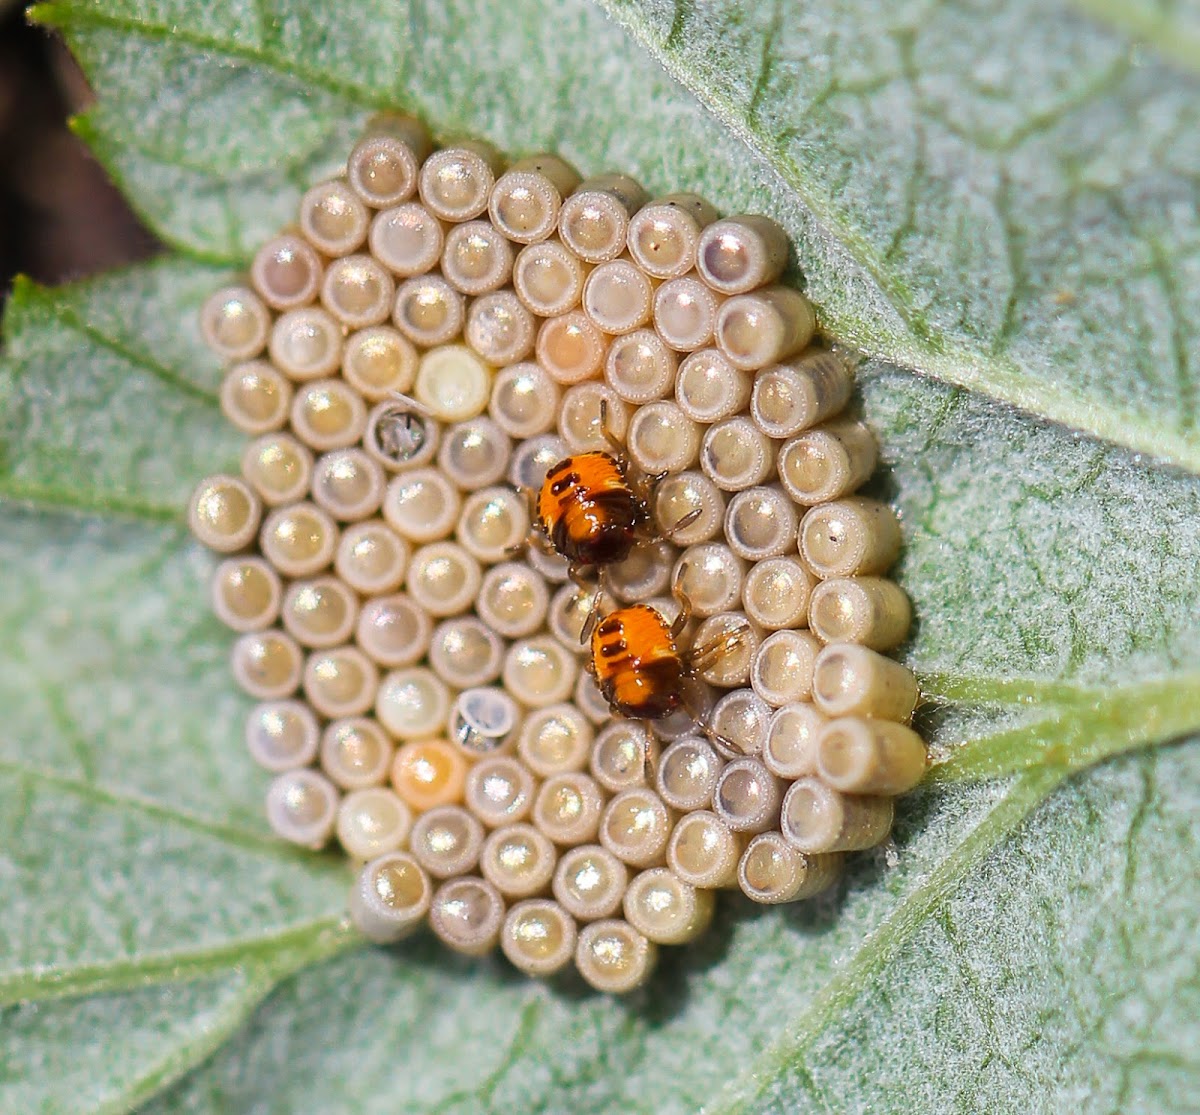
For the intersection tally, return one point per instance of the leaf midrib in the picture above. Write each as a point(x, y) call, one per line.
point(281, 953)
point(260, 843)
point(1083, 726)
point(60, 14)
point(32, 297)
point(188, 1054)
point(316, 939)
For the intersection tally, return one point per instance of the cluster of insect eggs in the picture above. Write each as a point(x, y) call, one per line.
point(436, 333)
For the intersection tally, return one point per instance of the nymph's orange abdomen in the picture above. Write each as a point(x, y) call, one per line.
point(637, 664)
point(587, 510)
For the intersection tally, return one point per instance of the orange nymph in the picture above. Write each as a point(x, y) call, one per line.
point(637, 664)
point(588, 511)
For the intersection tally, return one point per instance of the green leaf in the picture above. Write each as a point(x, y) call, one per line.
point(149, 1037)
point(1002, 198)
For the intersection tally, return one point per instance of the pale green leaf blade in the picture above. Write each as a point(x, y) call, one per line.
point(117, 894)
point(1023, 229)
point(80, 362)
point(1053, 578)
point(1092, 1008)
point(130, 815)
point(108, 1053)
point(1030, 553)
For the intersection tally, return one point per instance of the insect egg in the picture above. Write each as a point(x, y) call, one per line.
point(372, 822)
point(526, 199)
point(467, 914)
point(456, 183)
point(391, 897)
point(406, 239)
point(382, 168)
point(255, 397)
point(282, 735)
point(234, 323)
point(737, 254)
point(538, 937)
point(663, 236)
point(613, 956)
point(594, 220)
point(333, 219)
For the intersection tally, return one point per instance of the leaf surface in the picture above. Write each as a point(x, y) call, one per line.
point(1001, 198)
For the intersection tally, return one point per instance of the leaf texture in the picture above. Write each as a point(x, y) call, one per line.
point(999, 203)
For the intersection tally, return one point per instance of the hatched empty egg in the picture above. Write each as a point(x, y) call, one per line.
point(484, 720)
point(400, 436)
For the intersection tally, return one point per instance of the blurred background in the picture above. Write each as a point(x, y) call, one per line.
point(60, 218)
